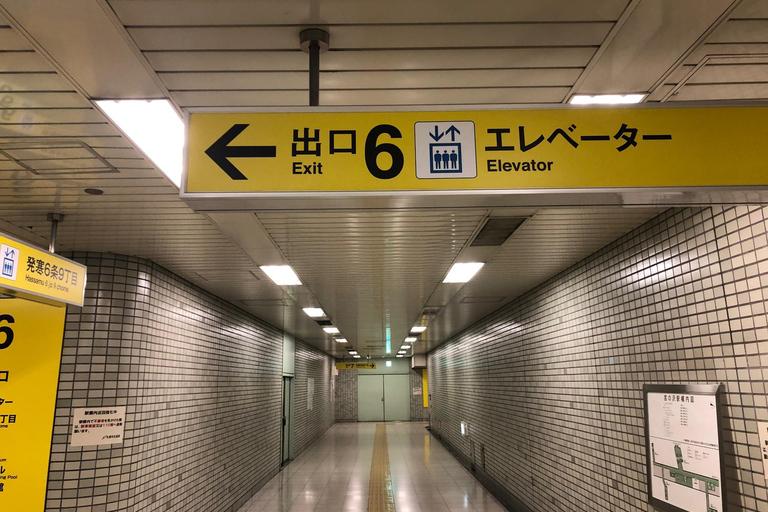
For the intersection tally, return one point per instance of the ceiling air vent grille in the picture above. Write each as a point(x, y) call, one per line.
point(496, 231)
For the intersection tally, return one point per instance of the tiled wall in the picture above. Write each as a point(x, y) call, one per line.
point(418, 411)
point(551, 384)
point(313, 364)
point(200, 378)
point(346, 395)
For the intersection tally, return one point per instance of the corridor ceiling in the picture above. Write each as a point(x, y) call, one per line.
point(373, 271)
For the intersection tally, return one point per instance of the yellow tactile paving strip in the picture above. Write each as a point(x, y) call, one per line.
point(381, 496)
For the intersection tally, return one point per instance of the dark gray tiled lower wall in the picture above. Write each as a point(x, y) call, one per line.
point(313, 364)
point(418, 411)
point(346, 395)
point(551, 384)
point(200, 378)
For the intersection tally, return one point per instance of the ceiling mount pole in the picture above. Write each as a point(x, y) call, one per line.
point(314, 41)
point(54, 219)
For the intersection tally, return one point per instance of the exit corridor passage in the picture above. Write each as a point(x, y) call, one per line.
point(335, 474)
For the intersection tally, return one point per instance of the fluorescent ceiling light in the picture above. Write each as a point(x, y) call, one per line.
point(341, 340)
point(314, 312)
point(462, 272)
point(606, 99)
point(411, 339)
point(331, 330)
point(405, 347)
point(399, 355)
point(389, 363)
point(155, 127)
point(282, 275)
point(353, 352)
point(356, 357)
point(418, 328)
point(401, 352)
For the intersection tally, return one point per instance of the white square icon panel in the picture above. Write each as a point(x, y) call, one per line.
point(445, 149)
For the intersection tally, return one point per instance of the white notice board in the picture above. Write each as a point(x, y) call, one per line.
point(92, 427)
point(684, 460)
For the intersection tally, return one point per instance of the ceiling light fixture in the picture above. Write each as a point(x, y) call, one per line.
point(411, 339)
point(405, 347)
point(462, 272)
point(401, 352)
point(155, 127)
point(353, 352)
point(282, 275)
point(399, 355)
point(331, 330)
point(606, 99)
point(418, 328)
point(356, 357)
point(341, 340)
point(314, 312)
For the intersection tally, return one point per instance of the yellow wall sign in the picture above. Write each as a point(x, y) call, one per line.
point(476, 150)
point(356, 366)
point(31, 335)
point(26, 271)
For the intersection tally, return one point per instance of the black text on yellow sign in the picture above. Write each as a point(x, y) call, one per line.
point(31, 336)
point(27, 271)
point(356, 366)
point(476, 150)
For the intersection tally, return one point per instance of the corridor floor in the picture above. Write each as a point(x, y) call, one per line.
point(335, 474)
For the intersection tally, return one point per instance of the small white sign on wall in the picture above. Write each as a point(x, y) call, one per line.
point(762, 428)
point(92, 427)
point(310, 393)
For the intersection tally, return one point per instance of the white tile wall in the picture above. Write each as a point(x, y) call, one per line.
point(551, 384)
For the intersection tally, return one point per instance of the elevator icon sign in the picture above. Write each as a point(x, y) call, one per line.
point(445, 149)
point(10, 262)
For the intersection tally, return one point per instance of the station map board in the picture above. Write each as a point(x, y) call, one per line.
point(684, 448)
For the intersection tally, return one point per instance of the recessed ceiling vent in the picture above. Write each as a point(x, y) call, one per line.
point(324, 323)
point(496, 231)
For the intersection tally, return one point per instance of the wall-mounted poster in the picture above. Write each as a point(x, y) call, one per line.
point(683, 443)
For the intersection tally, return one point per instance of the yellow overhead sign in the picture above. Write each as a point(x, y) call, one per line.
point(476, 150)
point(32, 273)
point(356, 366)
point(31, 335)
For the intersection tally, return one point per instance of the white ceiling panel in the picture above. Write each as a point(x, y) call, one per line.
point(51, 82)
point(373, 97)
point(15, 61)
point(381, 60)
point(372, 80)
point(280, 12)
point(356, 37)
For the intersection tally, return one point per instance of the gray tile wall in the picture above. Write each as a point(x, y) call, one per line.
point(200, 378)
point(311, 363)
point(346, 395)
point(418, 411)
point(551, 384)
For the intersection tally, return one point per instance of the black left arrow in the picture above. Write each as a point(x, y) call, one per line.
point(220, 152)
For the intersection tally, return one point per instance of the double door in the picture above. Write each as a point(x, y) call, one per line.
point(383, 398)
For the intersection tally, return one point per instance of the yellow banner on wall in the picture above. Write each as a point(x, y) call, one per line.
point(31, 336)
point(29, 272)
point(356, 366)
point(253, 153)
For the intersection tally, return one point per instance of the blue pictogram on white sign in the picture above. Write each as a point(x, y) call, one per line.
point(445, 150)
point(9, 259)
